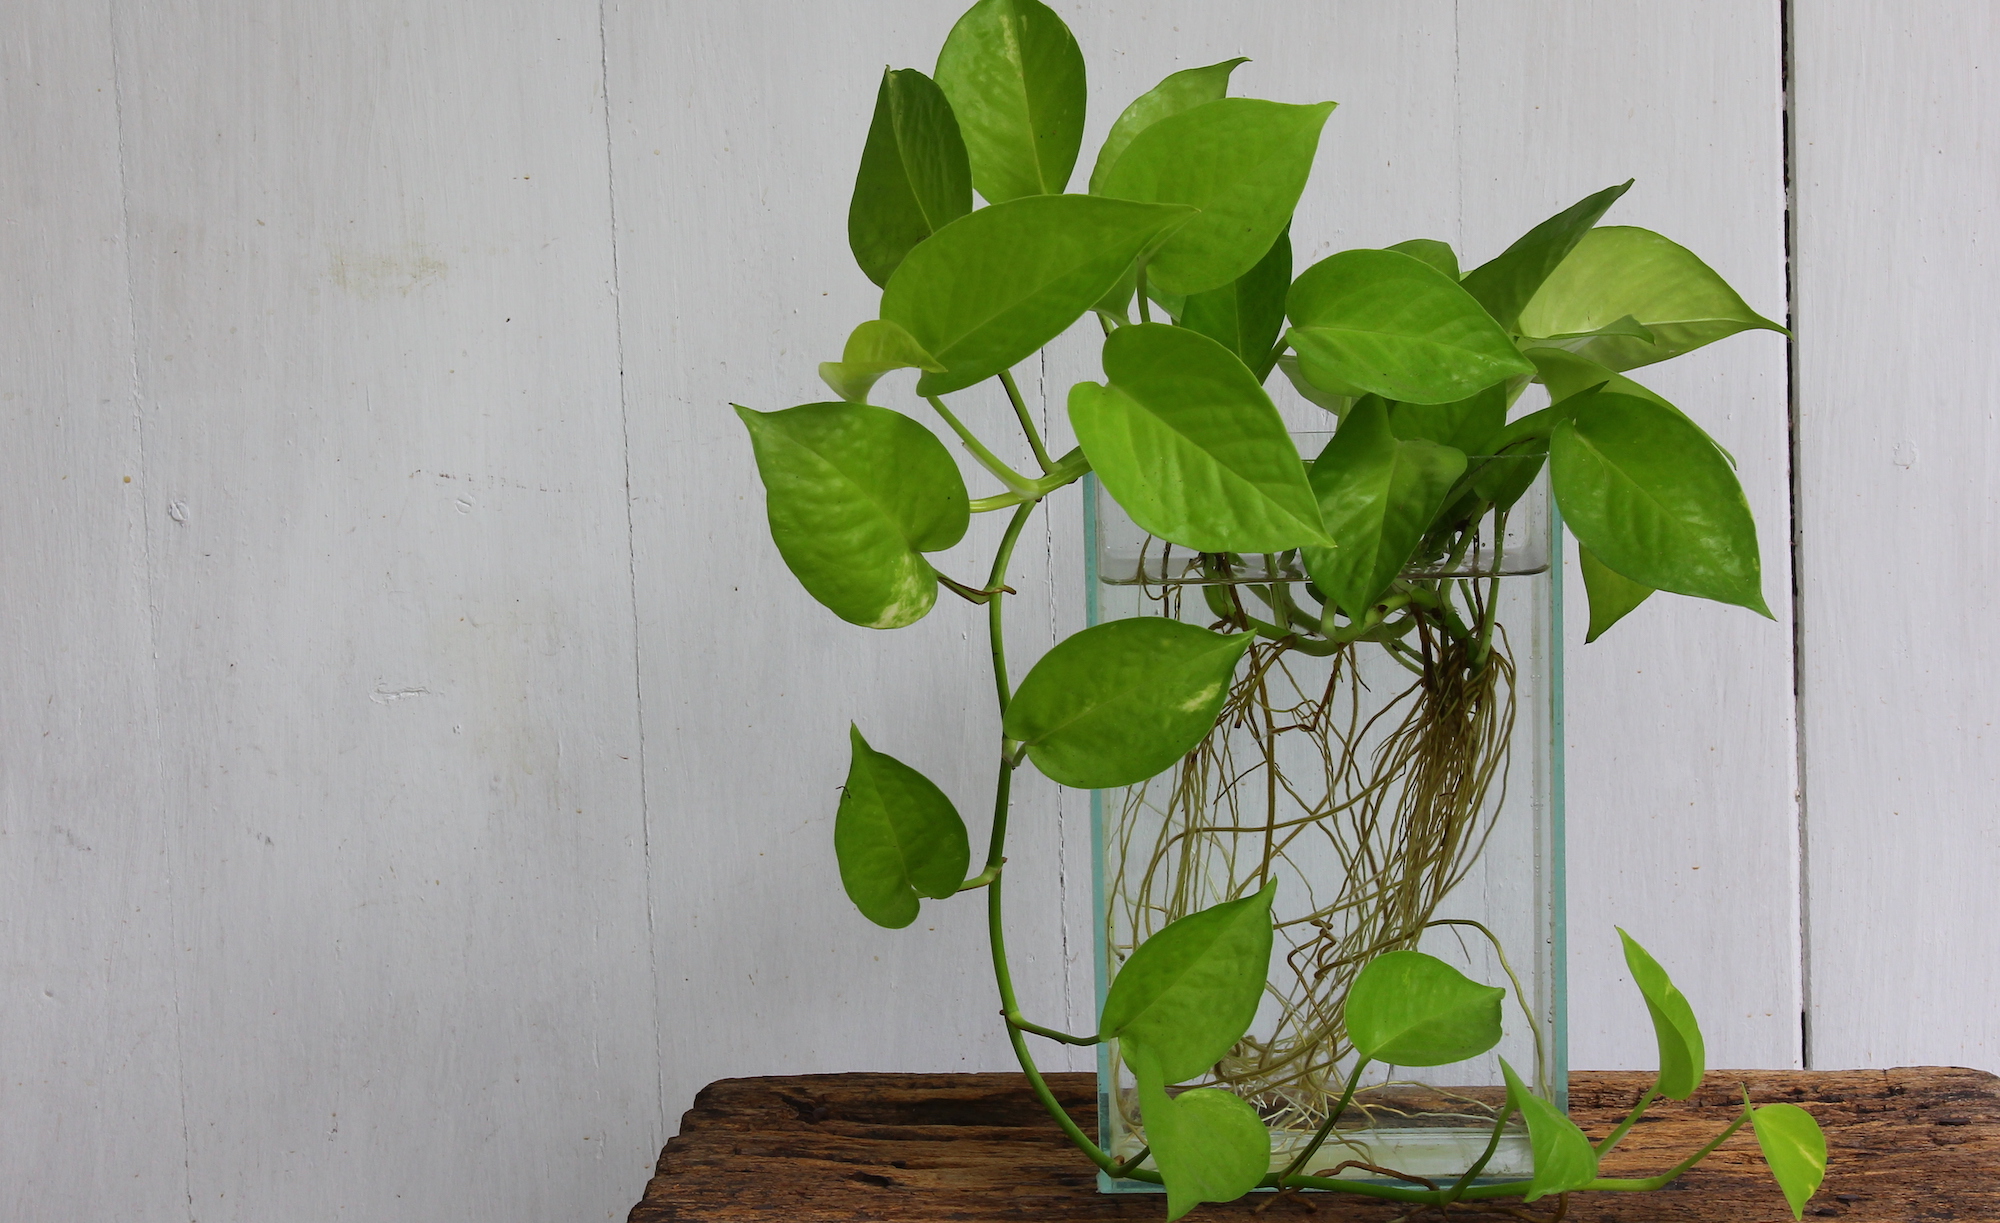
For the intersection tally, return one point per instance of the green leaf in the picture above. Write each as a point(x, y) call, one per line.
point(1619, 271)
point(1389, 323)
point(1628, 327)
point(1242, 161)
point(1188, 443)
point(897, 837)
point(1377, 496)
point(989, 289)
point(1683, 1057)
point(1468, 424)
point(1183, 90)
point(914, 178)
point(1508, 283)
point(875, 348)
point(1564, 1158)
point(1613, 596)
point(1794, 1148)
point(1015, 78)
point(1334, 401)
point(1118, 702)
point(1503, 478)
point(1247, 315)
point(854, 494)
point(1567, 375)
point(1210, 1145)
point(1438, 254)
point(1643, 487)
point(1410, 1009)
point(1190, 992)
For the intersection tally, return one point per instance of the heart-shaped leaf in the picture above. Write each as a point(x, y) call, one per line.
point(1794, 1148)
point(1190, 445)
point(1613, 596)
point(1377, 496)
point(1189, 992)
point(897, 837)
point(1118, 702)
point(1642, 487)
point(1210, 1145)
point(995, 285)
point(1506, 284)
point(1438, 254)
point(854, 494)
point(1247, 315)
point(1567, 375)
point(1242, 161)
point(1564, 1158)
point(875, 348)
point(914, 179)
point(1183, 90)
point(1389, 323)
point(1616, 271)
point(1410, 1009)
point(1467, 425)
point(1015, 78)
point(1683, 1057)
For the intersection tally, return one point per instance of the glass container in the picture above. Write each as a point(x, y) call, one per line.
point(1403, 797)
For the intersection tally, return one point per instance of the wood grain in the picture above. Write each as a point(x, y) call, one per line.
point(1904, 1144)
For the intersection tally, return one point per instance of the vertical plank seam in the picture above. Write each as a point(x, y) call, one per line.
point(138, 401)
point(1050, 602)
point(1788, 112)
point(632, 577)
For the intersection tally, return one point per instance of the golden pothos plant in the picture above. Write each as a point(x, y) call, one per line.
point(1180, 250)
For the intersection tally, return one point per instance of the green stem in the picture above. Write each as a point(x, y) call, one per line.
point(1312, 1148)
point(1027, 422)
point(1131, 1165)
point(982, 878)
point(1471, 1174)
point(1631, 1119)
point(1672, 1174)
point(1003, 976)
point(1145, 311)
point(1014, 481)
point(1015, 1021)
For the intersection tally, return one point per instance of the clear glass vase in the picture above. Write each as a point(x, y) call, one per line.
point(1403, 798)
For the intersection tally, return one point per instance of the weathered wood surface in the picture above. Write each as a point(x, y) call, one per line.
point(1905, 1144)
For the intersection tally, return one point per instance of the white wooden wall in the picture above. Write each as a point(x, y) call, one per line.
point(419, 766)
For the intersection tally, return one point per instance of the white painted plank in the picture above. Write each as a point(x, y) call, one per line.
point(378, 370)
point(90, 1118)
point(1899, 504)
point(1682, 818)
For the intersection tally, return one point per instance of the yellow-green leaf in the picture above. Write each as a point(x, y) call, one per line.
point(1619, 271)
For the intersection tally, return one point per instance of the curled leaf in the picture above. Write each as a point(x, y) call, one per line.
point(1564, 1158)
point(873, 349)
point(913, 179)
point(1683, 1057)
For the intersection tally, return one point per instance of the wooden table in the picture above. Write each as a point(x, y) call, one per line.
point(1911, 1144)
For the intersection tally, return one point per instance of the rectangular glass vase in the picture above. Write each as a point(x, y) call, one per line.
point(1397, 808)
